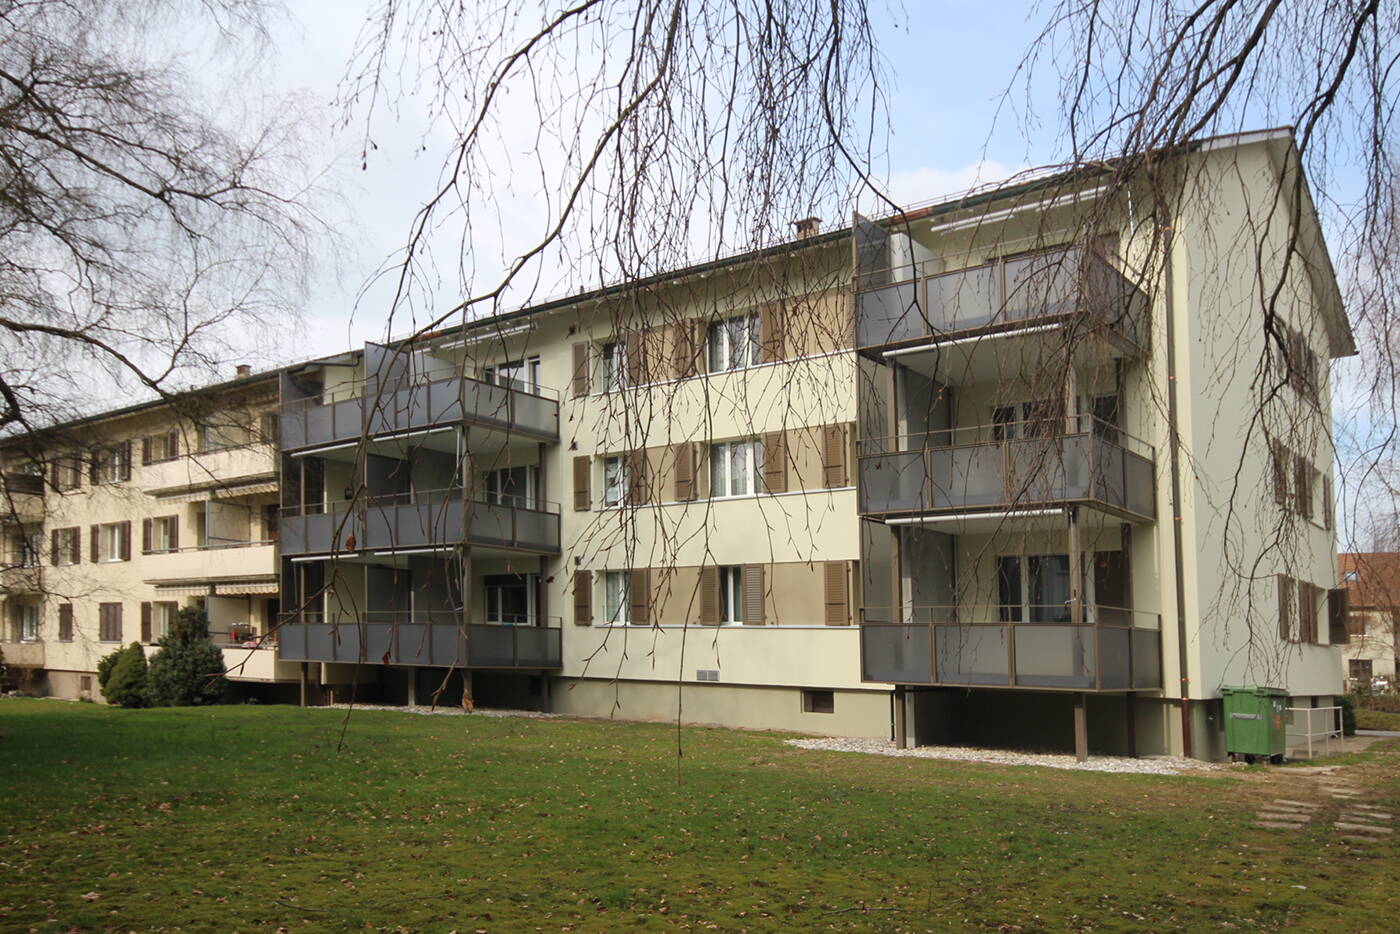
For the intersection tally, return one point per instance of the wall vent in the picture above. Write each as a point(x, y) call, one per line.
point(707, 674)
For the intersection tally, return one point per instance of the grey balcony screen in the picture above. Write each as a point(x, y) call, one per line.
point(972, 654)
point(427, 645)
point(889, 315)
point(1055, 656)
point(899, 654)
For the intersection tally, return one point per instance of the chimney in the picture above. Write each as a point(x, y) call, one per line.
point(243, 370)
point(808, 227)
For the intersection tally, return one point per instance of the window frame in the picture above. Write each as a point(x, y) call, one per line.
point(731, 595)
point(528, 366)
point(616, 583)
point(721, 467)
point(722, 336)
point(28, 623)
point(615, 485)
point(613, 360)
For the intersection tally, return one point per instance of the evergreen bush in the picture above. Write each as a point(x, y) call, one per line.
point(126, 678)
point(188, 670)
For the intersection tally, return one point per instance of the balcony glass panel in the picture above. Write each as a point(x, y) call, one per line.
point(1041, 285)
point(972, 654)
point(1055, 656)
point(893, 482)
point(889, 315)
point(965, 299)
point(898, 654)
point(969, 476)
point(1115, 658)
point(1138, 492)
point(1147, 659)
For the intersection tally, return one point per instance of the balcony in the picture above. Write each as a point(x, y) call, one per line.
point(23, 654)
point(220, 467)
point(21, 498)
point(353, 410)
point(436, 639)
point(221, 561)
point(1113, 650)
point(903, 307)
point(984, 469)
point(423, 519)
point(22, 579)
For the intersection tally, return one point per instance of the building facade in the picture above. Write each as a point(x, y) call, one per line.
point(1371, 659)
point(972, 474)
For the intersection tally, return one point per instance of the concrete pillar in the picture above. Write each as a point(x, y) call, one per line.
point(901, 728)
point(1081, 727)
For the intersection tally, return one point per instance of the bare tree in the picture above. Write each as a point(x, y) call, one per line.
point(146, 224)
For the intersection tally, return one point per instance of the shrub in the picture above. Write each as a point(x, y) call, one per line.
point(126, 678)
point(188, 670)
point(1348, 716)
point(105, 665)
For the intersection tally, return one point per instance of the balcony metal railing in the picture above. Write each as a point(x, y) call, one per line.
point(25, 483)
point(432, 638)
point(422, 518)
point(367, 407)
point(1007, 466)
point(905, 305)
point(1114, 649)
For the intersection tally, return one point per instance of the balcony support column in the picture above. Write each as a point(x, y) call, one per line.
point(901, 730)
point(1076, 569)
point(1081, 727)
point(1130, 702)
point(1071, 399)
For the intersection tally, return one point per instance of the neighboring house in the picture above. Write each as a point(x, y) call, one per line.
point(113, 523)
point(1372, 582)
point(928, 497)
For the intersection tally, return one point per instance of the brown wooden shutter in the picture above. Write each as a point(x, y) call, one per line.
point(173, 447)
point(145, 622)
point(833, 457)
point(700, 328)
point(753, 595)
point(146, 536)
point(838, 603)
point(53, 478)
point(636, 369)
point(582, 494)
point(53, 547)
point(125, 536)
point(1285, 608)
point(94, 540)
point(637, 492)
point(1307, 607)
point(1338, 601)
point(1327, 502)
point(682, 349)
point(1302, 486)
point(126, 460)
point(773, 332)
point(581, 369)
point(65, 622)
point(146, 451)
point(639, 597)
point(583, 598)
point(94, 461)
point(775, 462)
point(75, 545)
point(1278, 463)
point(684, 455)
point(709, 596)
point(173, 527)
point(702, 471)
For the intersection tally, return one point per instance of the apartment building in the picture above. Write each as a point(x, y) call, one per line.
point(1372, 583)
point(113, 523)
point(972, 474)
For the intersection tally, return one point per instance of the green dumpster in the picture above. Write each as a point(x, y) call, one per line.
point(1254, 722)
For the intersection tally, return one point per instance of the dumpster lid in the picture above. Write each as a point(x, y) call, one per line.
point(1256, 690)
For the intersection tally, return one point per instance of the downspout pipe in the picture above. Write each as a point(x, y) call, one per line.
point(1174, 446)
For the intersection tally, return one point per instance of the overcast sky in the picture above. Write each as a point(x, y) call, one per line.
point(951, 64)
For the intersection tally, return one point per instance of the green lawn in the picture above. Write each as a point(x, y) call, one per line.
point(248, 818)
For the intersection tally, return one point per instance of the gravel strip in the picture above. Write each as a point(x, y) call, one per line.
point(1156, 765)
point(450, 711)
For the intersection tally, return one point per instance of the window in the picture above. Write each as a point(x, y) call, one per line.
point(1106, 415)
point(165, 535)
point(25, 622)
point(162, 618)
point(731, 595)
point(1359, 669)
point(1038, 418)
point(1009, 588)
point(510, 598)
point(1036, 588)
point(614, 365)
point(614, 481)
point(109, 622)
point(1004, 423)
point(819, 702)
point(733, 343)
point(512, 486)
point(111, 465)
point(735, 467)
point(158, 448)
point(67, 473)
point(218, 436)
point(1351, 577)
point(615, 596)
point(26, 547)
point(113, 542)
point(65, 622)
point(517, 374)
point(67, 547)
